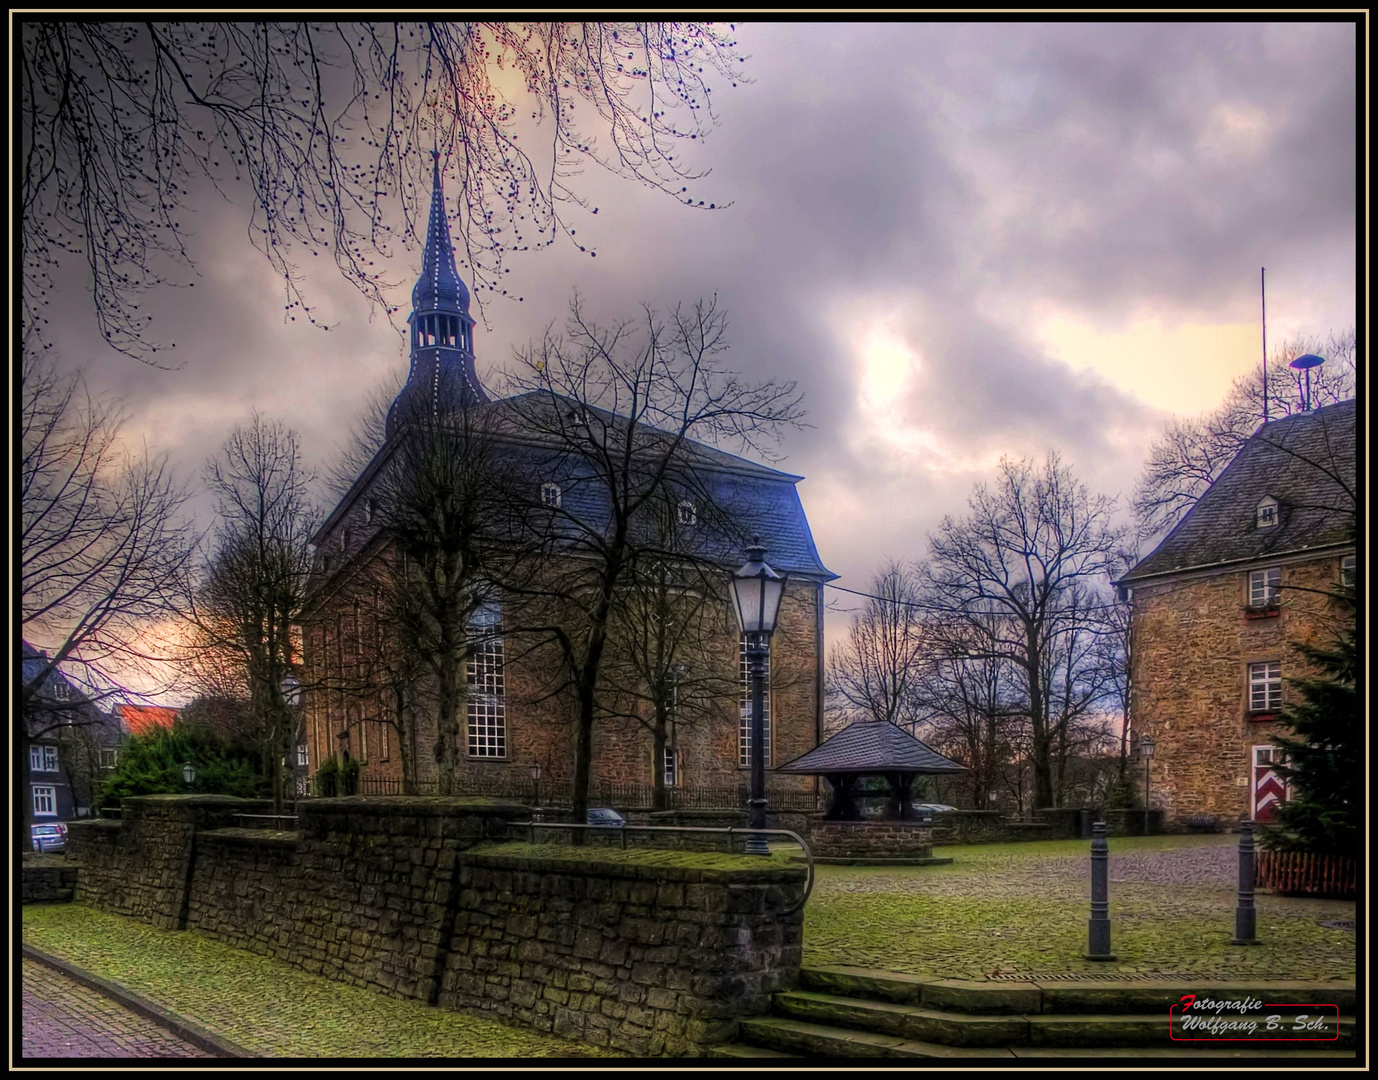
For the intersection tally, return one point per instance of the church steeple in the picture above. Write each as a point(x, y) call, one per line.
point(442, 331)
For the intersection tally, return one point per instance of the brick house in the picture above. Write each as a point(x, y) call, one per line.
point(507, 725)
point(1216, 606)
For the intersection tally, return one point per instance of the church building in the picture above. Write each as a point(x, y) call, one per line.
point(508, 726)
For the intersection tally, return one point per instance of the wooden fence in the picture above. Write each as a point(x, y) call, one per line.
point(1305, 873)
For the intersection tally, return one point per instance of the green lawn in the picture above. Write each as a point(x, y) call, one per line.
point(267, 1006)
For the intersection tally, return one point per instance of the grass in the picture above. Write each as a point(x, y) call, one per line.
point(267, 1006)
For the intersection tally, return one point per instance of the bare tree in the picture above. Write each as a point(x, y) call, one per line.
point(876, 669)
point(666, 666)
point(620, 414)
point(253, 596)
point(123, 126)
point(103, 549)
point(1191, 453)
point(1015, 572)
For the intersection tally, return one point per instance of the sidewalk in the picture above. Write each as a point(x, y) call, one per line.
point(63, 1018)
point(266, 1007)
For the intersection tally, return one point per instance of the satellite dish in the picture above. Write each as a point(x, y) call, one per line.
point(1305, 363)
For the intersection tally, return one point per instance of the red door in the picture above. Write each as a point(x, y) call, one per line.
point(1269, 789)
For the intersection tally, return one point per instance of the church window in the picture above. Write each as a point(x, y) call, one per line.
point(487, 709)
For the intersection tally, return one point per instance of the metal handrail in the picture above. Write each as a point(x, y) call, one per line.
point(266, 817)
point(728, 830)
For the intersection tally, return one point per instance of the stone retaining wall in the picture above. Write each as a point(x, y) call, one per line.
point(651, 959)
point(47, 878)
point(385, 892)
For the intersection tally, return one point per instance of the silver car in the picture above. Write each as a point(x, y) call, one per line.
point(605, 818)
point(49, 837)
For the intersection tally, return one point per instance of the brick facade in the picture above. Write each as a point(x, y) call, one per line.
point(541, 729)
point(1192, 642)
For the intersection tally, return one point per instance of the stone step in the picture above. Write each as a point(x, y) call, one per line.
point(821, 1040)
point(906, 1021)
point(1056, 996)
point(745, 1050)
point(957, 1029)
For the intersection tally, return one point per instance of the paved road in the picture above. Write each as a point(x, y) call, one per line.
point(63, 1019)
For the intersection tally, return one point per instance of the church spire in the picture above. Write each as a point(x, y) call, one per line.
point(442, 331)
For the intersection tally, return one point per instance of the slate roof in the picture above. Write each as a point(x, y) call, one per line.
point(872, 746)
point(1297, 461)
point(762, 501)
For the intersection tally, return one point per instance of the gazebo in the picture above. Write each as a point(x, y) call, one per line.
point(871, 748)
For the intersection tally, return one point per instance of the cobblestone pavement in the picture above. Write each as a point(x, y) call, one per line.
point(64, 1019)
point(1006, 911)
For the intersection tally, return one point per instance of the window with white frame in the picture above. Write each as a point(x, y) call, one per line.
point(1349, 567)
point(487, 709)
point(744, 739)
point(1265, 686)
point(670, 762)
point(1265, 587)
point(1267, 512)
point(301, 754)
point(550, 495)
point(43, 758)
point(688, 514)
point(44, 801)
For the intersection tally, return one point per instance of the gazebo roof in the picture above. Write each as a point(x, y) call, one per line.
point(872, 746)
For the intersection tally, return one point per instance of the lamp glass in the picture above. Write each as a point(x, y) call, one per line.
point(1146, 747)
point(189, 773)
point(756, 593)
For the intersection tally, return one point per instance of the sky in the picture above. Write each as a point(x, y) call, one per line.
point(962, 240)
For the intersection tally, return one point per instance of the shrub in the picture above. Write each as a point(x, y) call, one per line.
point(328, 779)
point(152, 765)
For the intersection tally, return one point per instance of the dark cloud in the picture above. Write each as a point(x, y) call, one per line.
point(951, 183)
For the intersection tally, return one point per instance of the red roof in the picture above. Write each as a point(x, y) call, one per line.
point(142, 719)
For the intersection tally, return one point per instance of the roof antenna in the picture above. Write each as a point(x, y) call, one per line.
point(1305, 363)
point(1263, 302)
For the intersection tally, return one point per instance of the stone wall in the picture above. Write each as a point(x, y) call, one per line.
point(47, 878)
point(1192, 643)
point(396, 894)
point(870, 839)
point(651, 959)
point(986, 827)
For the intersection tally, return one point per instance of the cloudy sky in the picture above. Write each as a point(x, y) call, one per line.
point(963, 240)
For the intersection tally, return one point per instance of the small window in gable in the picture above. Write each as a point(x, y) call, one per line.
point(550, 495)
point(688, 515)
point(1267, 512)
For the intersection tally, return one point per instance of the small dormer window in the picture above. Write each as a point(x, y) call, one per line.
point(1267, 512)
point(687, 513)
point(550, 495)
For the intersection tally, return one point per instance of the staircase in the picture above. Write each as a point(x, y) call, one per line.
point(844, 1012)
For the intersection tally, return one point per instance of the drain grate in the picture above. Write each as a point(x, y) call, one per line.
point(1338, 924)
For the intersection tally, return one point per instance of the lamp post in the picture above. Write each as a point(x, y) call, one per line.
point(756, 593)
point(678, 670)
point(189, 774)
point(1146, 746)
point(535, 773)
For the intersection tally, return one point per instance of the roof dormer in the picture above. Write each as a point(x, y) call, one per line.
point(1266, 514)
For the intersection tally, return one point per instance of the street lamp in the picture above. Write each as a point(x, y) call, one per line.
point(189, 774)
point(756, 593)
point(1146, 746)
point(291, 696)
point(291, 691)
point(535, 773)
point(678, 670)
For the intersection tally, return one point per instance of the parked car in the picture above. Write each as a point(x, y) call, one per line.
point(932, 807)
point(50, 837)
point(605, 818)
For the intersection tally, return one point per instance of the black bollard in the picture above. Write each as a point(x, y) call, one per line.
point(1098, 937)
point(1245, 917)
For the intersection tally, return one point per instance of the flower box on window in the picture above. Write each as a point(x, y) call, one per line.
point(1261, 715)
point(1260, 611)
